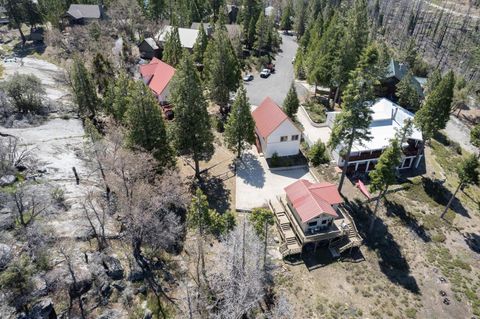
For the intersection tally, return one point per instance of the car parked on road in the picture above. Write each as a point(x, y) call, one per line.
point(265, 73)
point(248, 77)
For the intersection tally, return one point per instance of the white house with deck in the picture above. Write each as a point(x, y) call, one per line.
point(387, 119)
point(276, 133)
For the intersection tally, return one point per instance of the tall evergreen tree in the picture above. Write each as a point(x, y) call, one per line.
point(116, 100)
point(433, 80)
point(20, 12)
point(291, 103)
point(193, 136)
point(52, 11)
point(261, 30)
point(240, 127)
point(468, 174)
point(300, 20)
point(172, 50)
point(200, 45)
point(103, 72)
point(408, 95)
point(145, 124)
point(156, 9)
point(353, 123)
point(435, 113)
point(384, 174)
point(287, 15)
point(84, 90)
point(222, 70)
point(249, 16)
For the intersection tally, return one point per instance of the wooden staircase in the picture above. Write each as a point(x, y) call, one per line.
point(350, 240)
point(290, 245)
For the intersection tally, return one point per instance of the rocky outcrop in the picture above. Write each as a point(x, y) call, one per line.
point(7, 180)
point(43, 309)
point(5, 255)
point(113, 267)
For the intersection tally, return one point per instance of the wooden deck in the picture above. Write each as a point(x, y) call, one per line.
point(342, 235)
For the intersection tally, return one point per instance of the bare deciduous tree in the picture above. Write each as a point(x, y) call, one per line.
point(13, 154)
point(96, 209)
point(28, 205)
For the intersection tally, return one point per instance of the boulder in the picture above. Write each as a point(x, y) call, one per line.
point(80, 287)
point(113, 267)
point(5, 255)
point(147, 314)
point(7, 180)
point(136, 272)
point(119, 285)
point(39, 286)
point(105, 290)
point(7, 221)
point(43, 309)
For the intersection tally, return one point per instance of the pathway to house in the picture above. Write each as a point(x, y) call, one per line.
point(256, 183)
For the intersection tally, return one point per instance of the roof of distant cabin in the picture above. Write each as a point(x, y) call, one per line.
point(151, 42)
point(233, 30)
point(157, 74)
point(311, 200)
point(268, 116)
point(89, 11)
point(188, 37)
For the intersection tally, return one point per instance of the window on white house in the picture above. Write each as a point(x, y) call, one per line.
point(311, 224)
point(324, 221)
point(283, 138)
point(294, 137)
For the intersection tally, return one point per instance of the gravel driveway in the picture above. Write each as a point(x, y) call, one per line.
point(276, 85)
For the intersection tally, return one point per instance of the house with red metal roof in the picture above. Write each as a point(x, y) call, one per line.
point(312, 214)
point(314, 204)
point(276, 133)
point(157, 75)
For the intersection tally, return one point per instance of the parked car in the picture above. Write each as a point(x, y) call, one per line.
point(265, 73)
point(248, 78)
point(271, 67)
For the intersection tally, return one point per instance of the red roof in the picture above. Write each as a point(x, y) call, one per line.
point(313, 199)
point(268, 116)
point(157, 74)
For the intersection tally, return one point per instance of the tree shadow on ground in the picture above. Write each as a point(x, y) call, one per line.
point(218, 195)
point(390, 258)
point(395, 209)
point(436, 190)
point(251, 171)
point(29, 48)
point(473, 241)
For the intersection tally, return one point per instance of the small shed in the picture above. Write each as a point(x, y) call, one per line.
point(149, 49)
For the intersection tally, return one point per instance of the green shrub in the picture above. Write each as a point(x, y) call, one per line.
point(318, 154)
point(274, 160)
point(26, 92)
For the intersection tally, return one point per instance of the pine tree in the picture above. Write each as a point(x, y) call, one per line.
point(291, 103)
point(299, 22)
point(116, 101)
point(433, 80)
point(240, 127)
point(287, 14)
point(222, 70)
point(172, 51)
point(261, 30)
point(193, 136)
point(353, 123)
point(156, 9)
point(249, 16)
point(200, 45)
point(408, 95)
point(435, 113)
point(84, 90)
point(468, 174)
point(385, 170)
point(146, 128)
point(261, 218)
point(102, 72)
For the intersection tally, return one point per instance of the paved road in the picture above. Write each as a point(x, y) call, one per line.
point(277, 85)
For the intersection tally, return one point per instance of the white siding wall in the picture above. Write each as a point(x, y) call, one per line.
point(319, 221)
point(283, 148)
